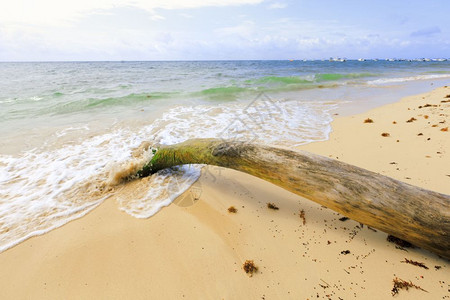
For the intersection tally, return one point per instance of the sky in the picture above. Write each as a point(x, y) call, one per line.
point(60, 30)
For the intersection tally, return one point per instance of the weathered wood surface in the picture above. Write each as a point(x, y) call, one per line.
point(419, 216)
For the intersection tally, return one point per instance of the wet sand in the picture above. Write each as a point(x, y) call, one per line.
point(195, 248)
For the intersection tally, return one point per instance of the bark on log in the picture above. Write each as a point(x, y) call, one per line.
point(419, 216)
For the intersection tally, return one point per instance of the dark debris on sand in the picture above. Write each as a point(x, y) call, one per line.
point(232, 209)
point(399, 242)
point(302, 216)
point(415, 263)
point(402, 284)
point(272, 206)
point(250, 267)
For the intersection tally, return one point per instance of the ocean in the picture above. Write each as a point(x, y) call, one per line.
point(70, 131)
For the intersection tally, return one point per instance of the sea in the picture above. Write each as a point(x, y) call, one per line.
point(72, 132)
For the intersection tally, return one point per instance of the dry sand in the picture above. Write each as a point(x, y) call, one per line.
point(195, 248)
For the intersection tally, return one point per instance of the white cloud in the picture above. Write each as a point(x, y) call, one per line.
point(146, 29)
point(62, 12)
point(277, 5)
point(156, 17)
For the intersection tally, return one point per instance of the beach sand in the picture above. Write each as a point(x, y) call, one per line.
point(195, 248)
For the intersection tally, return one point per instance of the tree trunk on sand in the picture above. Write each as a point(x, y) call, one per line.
point(419, 216)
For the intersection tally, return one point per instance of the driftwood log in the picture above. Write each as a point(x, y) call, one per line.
point(419, 216)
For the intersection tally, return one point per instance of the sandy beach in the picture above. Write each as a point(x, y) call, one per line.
point(195, 248)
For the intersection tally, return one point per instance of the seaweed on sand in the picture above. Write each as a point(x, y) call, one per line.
point(399, 242)
point(232, 209)
point(415, 263)
point(302, 216)
point(402, 284)
point(250, 267)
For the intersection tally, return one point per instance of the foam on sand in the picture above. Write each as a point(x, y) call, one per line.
point(46, 187)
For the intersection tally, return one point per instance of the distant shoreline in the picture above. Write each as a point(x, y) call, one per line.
point(231, 60)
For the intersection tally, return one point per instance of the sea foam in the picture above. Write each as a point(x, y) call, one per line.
point(44, 188)
point(406, 79)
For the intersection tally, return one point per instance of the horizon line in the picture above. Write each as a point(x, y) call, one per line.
point(330, 59)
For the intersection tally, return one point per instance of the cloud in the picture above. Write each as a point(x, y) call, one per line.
point(57, 12)
point(429, 31)
point(181, 29)
point(156, 17)
point(277, 5)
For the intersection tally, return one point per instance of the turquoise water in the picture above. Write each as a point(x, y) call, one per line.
point(68, 129)
point(74, 91)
